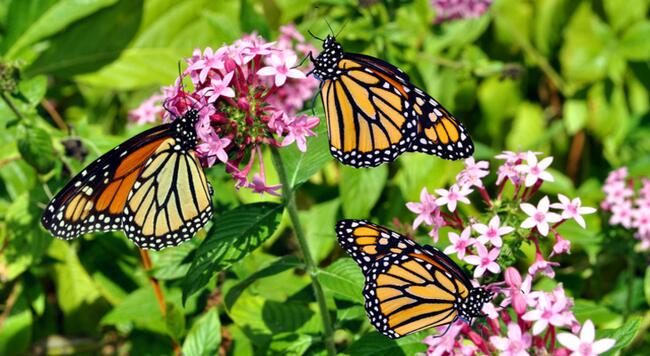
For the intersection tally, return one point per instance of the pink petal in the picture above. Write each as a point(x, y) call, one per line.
point(528, 208)
point(588, 332)
point(267, 71)
point(569, 341)
point(602, 345)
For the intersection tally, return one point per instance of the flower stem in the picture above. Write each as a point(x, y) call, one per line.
point(312, 268)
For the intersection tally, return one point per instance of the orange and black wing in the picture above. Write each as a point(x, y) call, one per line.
point(94, 200)
point(370, 119)
point(170, 201)
point(439, 132)
point(366, 242)
point(406, 293)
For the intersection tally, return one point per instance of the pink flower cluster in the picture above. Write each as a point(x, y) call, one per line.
point(447, 10)
point(248, 94)
point(526, 174)
point(532, 329)
point(628, 208)
point(512, 216)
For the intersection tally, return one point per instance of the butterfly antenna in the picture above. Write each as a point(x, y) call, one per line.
point(342, 27)
point(330, 26)
point(314, 36)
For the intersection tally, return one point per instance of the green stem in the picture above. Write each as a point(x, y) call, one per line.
point(630, 285)
point(11, 106)
point(312, 268)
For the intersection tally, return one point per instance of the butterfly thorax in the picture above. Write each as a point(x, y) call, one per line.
point(326, 64)
point(471, 307)
point(184, 126)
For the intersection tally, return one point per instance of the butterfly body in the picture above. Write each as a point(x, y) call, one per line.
point(152, 187)
point(408, 287)
point(374, 113)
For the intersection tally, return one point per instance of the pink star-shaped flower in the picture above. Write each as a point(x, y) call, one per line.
point(573, 209)
point(515, 344)
point(218, 88)
point(534, 170)
point(519, 291)
point(473, 172)
point(546, 312)
point(211, 60)
point(425, 208)
point(586, 344)
point(459, 243)
point(492, 232)
point(452, 196)
point(214, 148)
point(281, 68)
point(484, 260)
point(539, 216)
point(299, 129)
point(259, 186)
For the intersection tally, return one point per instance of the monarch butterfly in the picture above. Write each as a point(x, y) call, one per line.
point(408, 287)
point(152, 187)
point(374, 113)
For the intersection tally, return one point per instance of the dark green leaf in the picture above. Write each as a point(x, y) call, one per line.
point(233, 236)
point(251, 20)
point(374, 343)
point(204, 336)
point(280, 265)
point(646, 285)
point(88, 45)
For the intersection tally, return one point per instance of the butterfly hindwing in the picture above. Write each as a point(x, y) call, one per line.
point(439, 132)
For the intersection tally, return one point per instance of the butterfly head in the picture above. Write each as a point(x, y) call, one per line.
point(326, 64)
point(471, 307)
point(185, 128)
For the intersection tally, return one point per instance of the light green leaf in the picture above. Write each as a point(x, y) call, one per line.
point(173, 263)
point(420, 170)
point(550, 17)
point(623, 335)
point(318, 223)
point(575, 114)
point(622, 16)
point(528, 123)
point(300, 166)
point(204, 337)
point(234, 235)
point(175, 321)
point(74, 287)
point(343, 280)
point(32, 21)
point(16, 330)
point(635, 45)
point(141, 309)
point(499, 100)
point(360, 189)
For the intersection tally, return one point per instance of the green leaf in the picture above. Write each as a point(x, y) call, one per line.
point(33, 89)
point(418, 171)
point(141, 309)
point(16, 330)
point(528, 123)
point(621, 17)
point(635, 45)
point(550, 17)
point(623, 335)
point(318, 223)
point(586, 309)
point(88, 45)
point(280, 265)
point(499, 100)
point(204, 336)
point(575, 114)
point(343, 280)
point(32, 21)
point(173, 263)
point(74, 287)
point(35, 146)
point(290, 343)
point(300, 166)
point(360, 189)
point(646, 285)
point(234, 235)
point(374, 343)
point(251, 20)
point(175, 321)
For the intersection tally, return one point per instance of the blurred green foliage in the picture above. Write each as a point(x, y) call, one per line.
point(570, 78)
